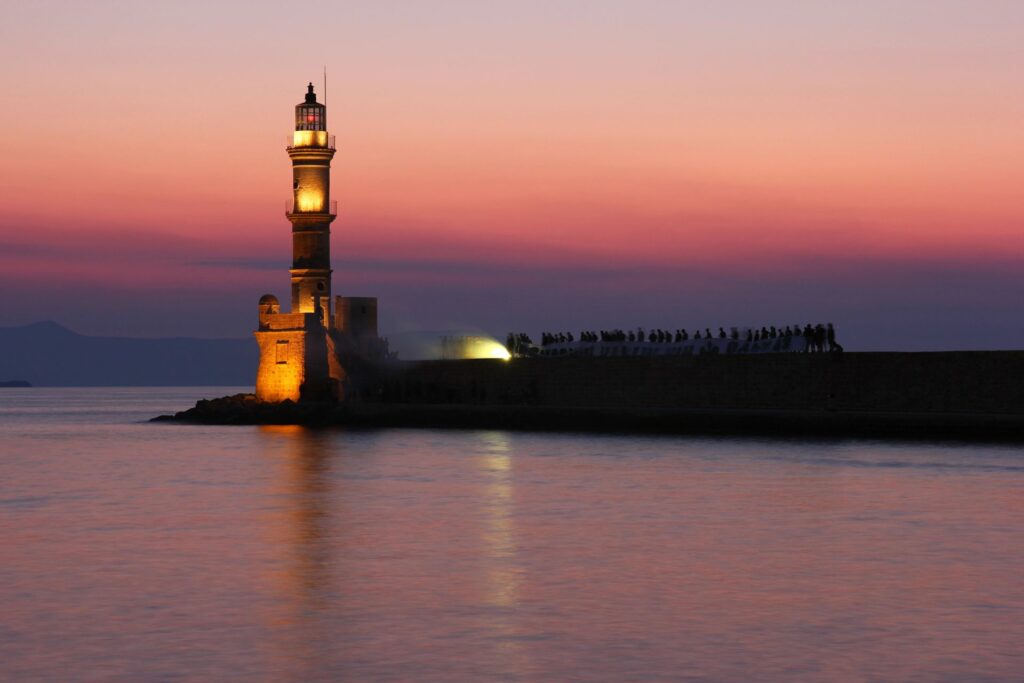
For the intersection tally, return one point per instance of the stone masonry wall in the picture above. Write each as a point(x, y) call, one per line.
point(277, 381)
point(953, 382)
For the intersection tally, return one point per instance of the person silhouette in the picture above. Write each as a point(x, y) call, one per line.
point(830, 335)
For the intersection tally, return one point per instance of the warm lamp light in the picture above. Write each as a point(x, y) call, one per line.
point(309, 138)
point(309, 201)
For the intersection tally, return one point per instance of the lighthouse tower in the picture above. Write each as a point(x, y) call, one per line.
point(303, 352)
point(311, 210)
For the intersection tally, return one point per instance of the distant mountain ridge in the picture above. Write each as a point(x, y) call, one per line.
point(48, 354)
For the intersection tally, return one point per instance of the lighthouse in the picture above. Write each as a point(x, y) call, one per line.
point(308, 353)
point(311, 210)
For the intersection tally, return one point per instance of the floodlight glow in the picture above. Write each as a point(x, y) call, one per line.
point(472, 347)
point(488, 348)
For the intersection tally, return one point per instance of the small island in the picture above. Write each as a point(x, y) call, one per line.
point(14, 384)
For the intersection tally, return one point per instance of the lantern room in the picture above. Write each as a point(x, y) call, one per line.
point(310, 115)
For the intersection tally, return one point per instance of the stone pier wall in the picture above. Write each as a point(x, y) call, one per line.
point(943, 382)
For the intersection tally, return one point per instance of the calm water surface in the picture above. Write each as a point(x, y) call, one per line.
point(151, 552)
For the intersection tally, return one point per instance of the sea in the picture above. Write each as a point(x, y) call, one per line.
point(137, 551)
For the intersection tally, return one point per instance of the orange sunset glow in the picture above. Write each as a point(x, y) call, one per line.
point(524, 165)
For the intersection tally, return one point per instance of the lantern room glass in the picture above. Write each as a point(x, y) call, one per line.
point(309, 117)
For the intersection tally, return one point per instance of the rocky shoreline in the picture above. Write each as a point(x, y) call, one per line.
point(245, 409)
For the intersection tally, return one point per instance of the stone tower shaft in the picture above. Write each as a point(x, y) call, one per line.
point(311, 210)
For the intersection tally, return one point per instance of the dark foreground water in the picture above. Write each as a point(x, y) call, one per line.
point(154, 552)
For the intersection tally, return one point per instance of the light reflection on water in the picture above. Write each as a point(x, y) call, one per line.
point(498, 550)
point(136, 551)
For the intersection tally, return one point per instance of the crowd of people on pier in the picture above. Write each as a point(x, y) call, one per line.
point(819, 337)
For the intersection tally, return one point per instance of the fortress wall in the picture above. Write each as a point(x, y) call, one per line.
point(970, 381)
point(316, 367)
point(284, 321)
point(282, 365)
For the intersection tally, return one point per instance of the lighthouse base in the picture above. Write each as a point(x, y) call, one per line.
point(304, 359)
point(294, 363)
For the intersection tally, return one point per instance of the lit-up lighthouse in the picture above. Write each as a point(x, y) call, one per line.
point(308, 353)
point(310, 210)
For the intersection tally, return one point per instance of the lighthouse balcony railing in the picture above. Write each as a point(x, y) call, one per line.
point(289, 208)
point(313, 139)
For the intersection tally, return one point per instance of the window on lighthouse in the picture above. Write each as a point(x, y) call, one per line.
point(309, 118)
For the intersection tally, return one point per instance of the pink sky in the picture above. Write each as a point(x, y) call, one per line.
point(523, 164)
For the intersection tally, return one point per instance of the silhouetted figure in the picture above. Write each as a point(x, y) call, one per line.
point(696, 335)
point(830, 335)
point(721, 333)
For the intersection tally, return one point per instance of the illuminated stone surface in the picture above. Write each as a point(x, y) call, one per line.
point(301, 351)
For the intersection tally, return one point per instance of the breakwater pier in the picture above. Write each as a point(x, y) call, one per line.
point(968, 394)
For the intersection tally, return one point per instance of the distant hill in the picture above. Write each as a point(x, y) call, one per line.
point(47, 354)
